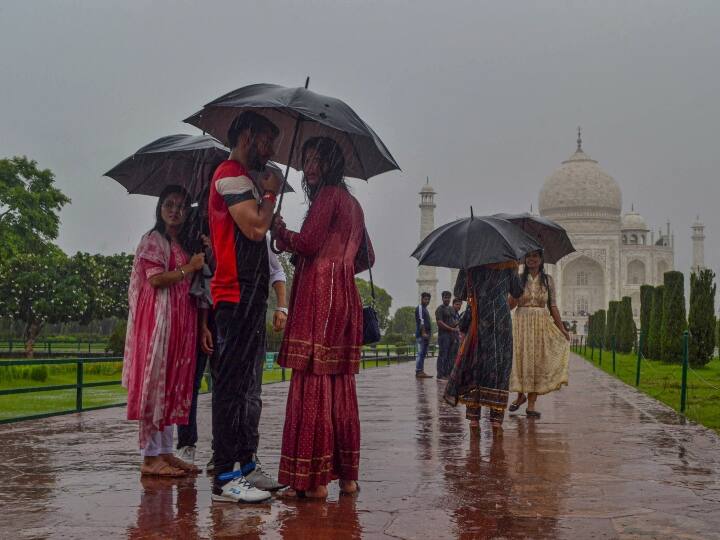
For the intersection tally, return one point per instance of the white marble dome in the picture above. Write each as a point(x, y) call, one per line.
point(632, 221)
point(580, 188)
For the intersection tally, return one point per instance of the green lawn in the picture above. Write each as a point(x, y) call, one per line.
point(663, 382)
point(54, 401)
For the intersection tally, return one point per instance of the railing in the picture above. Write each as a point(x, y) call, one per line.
point(370, 357)
point(54, 346)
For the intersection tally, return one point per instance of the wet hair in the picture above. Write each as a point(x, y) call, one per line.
point(457, 301)
point(446, 294)
point(544, 279)
point(331, 156)
point(159, 226)
point(253, 121)
point(426, 295)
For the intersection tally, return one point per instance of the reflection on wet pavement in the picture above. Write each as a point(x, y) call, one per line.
point(603, 462)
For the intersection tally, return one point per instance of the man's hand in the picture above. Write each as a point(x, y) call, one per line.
point(206, 340)
point(271, 182)
point(279, 320)
point(196, 261)
point(278, 224)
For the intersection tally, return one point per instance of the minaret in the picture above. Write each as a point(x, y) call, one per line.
point(698, 238)
point(427, 276)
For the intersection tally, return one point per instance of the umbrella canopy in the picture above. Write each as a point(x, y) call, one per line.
point(185, 160)
point(551, 236)
point(474, 241)
point(309, 113)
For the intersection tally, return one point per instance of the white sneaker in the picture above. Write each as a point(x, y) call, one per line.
point(239, 490)
point(187, 454)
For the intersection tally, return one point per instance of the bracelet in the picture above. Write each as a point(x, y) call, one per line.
point(270, 196)
point(179, 268)
point(282, 310)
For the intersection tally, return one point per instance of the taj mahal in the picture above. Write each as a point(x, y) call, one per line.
point(616, 252)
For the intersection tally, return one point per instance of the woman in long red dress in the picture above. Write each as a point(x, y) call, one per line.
point(159, 364)
point(323, 336)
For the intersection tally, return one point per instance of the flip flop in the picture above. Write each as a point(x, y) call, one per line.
point(183, 465)
point(162, 469)
point(515, 405)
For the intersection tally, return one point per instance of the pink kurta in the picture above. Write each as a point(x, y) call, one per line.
point(159, 364)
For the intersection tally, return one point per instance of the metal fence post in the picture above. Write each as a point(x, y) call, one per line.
point(639, 357)
point(683, 388)
point(592, 352)
point(283, 374)
point(600, 357)
point(613, 351)
point(79, 389)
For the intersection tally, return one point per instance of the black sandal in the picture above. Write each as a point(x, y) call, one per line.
point(532, 414)
point(514, 406)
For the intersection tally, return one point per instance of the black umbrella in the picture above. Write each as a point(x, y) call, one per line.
point(474, 241)
point(551, 236)
point(300, 114)
point(185, 160)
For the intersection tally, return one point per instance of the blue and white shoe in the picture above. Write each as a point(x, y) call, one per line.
point(238, 489)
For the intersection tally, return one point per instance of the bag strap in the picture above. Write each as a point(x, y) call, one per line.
point(367, 256)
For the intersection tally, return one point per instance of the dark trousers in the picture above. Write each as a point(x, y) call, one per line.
point(237, 379)
point(188, 435)
point(445, 359)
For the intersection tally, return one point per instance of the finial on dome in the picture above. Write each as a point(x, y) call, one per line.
point(427, 182)
point(579, 139)
point(632, 207)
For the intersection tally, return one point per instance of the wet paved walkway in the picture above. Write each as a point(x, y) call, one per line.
point(603, 462)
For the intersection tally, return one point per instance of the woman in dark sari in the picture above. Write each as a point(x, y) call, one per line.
point(481, 374)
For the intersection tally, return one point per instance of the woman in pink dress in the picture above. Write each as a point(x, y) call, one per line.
point(160, 344)
point(324, 332)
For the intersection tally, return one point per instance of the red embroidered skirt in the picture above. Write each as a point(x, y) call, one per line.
point(321, 439)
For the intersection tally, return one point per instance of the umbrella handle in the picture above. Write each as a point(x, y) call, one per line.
point(273, 243)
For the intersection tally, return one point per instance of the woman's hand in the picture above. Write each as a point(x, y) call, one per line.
point(206, 340)
point(278, 224)
point(196, 262)
point(565, 333)
point(279, 320)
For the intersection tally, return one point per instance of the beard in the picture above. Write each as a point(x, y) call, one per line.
point(255, 161)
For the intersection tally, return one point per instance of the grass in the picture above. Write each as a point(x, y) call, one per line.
point(57, 401)
point(663, 382)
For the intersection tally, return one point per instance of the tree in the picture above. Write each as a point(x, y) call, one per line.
point(701, 319)
point(106, 279)
point(403, 322)
point(39, 289)
point(624, 326)
point(674, 322)
point(654, 343)
point(29, 207)
point(383, 301)
point(646, 300)
point(610, 324)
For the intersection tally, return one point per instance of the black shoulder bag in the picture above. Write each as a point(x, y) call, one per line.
point(371, 326)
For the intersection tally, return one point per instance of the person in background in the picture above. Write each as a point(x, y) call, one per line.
point(481, 375)
point(540, 339)
point(159, 362)
point(423, 332)
point(447, 322)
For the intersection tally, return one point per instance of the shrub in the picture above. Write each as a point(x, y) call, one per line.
point(654, 332)
point(646, 300)
point(39, 373)
point(674, 322)
point(116, 343)
point(624, 326)
point(701, 319)
point(600, 322)
point(610, 324)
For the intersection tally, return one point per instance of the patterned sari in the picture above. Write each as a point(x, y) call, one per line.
point(159, 363)
point(481, 374)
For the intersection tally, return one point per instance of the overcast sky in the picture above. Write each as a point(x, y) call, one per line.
point(482, 97)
